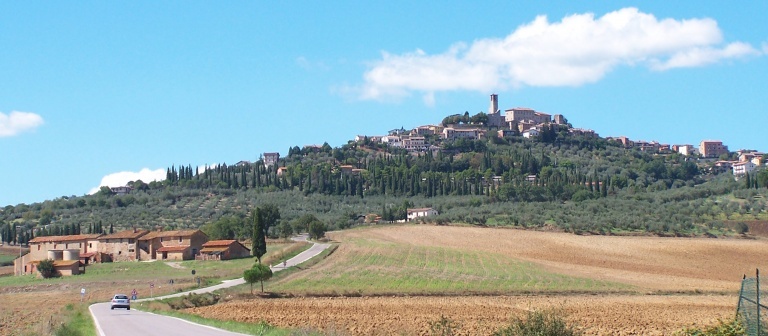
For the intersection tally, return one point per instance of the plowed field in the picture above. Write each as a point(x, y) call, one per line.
point(478, 315)
point(628, 281)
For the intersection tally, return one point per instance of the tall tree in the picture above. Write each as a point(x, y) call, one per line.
point(259, 247)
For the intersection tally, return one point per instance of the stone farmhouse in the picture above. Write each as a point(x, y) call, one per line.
point(223, 250)
point(73, 252)
point(171, 245)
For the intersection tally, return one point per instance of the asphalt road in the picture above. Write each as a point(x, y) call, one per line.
point(122, 322)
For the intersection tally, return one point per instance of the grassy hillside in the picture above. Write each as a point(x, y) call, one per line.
point(574, 183)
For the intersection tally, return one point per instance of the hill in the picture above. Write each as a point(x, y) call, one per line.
point(558, 179)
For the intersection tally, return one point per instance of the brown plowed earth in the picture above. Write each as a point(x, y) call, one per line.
point(652, 263)
point(478, 315)
point(681, 282)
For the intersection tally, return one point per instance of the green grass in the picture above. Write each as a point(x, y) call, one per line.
point(368, 267)
point(7, 259)
point(78, 322)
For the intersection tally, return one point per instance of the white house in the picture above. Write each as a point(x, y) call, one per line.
point(420, 212)
point(533, 132)
point(742, 168)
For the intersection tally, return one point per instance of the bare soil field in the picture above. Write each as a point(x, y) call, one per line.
point(652, 263)
point(478, 315)
point(675, 283)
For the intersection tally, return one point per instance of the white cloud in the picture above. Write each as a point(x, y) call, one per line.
point(579, 49)
point(120, 179)
point(17, 122)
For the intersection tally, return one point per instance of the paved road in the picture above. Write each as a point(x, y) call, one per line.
point(121, 322)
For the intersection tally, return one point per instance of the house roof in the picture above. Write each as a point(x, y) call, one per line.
point(51, 239)
point(222, 244)
point(174, 233)
point(213, 249)
point(87, 254)
point(130, 234)
point(58, 263)
point(180, 248)
point(419, 209)
point(219, 243)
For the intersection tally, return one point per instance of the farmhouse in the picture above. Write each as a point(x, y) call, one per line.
point(80, 248)
point(223, 250)
point(420, 212)
point(120, 246)
point(171, 245)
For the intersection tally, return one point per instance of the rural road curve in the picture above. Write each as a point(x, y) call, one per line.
point(121, 322)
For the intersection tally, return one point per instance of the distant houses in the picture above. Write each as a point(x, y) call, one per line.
point(71, 253)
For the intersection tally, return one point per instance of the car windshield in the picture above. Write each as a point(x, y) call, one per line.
point(124, 297)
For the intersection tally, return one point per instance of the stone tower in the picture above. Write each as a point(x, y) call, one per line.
point(494, 104)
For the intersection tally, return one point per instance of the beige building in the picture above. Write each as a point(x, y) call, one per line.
point(712, 148)
point(519, 114)
point(450, 133)
point(223, 250)
point(171, 245)
point(120, 246)
point(64, 250)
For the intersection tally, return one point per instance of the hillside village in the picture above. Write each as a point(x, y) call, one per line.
point(530, 124)
point(72, 252)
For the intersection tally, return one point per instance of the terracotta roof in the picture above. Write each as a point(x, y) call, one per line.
point(174, 233)
point(180, 248)
point(62, 263)
point(218, 243)
point(51, 239)
point(130, 234)
point(213, 249)
point(87, 254)
point(419, 209)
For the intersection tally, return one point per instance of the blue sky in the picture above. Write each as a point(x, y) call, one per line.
point(98, 93)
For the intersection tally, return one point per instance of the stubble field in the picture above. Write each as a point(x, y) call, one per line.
point(479, 278)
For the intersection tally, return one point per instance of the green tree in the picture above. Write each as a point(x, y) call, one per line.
point(259, 273)
point(46, 268)
point(270, 215)
point(316, 230)
point(284, 229)
point(259, 247)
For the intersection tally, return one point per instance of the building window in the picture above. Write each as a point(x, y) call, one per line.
point(38, 247)
point(179, 239)
point(130, 241)
point(131, 250)
point(161, 239)
point(90, 244)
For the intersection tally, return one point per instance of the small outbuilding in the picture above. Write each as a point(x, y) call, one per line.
point(223, 250)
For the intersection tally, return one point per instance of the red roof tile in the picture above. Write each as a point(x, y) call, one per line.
point(174, 233)
point(219, 243)
point(51, 239)
point(180, 248)
point(130, 234)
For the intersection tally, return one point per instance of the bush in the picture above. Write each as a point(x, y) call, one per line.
point(539, 324)
point(46, 268)
point(442, 327)
point(725, 328)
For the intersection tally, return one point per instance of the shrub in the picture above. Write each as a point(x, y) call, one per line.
point(540, 324)
point(46, 268)
point(442, 327)
point(733, 327)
